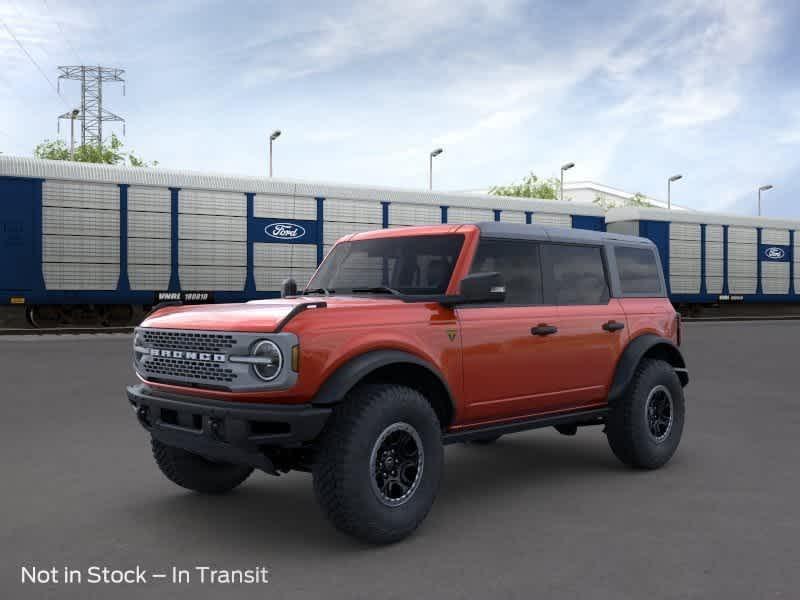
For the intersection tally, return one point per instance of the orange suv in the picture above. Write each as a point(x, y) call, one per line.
point(406, 340)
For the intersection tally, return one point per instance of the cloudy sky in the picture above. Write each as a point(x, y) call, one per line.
point(632, 92)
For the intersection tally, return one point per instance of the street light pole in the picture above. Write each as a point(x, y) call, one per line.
point(274, 136)
point(763, 188)
point(433, 154)
point(565, 167)
point(75, 112)
point(669, 189)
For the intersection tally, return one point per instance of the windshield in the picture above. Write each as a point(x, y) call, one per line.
point(419, 265)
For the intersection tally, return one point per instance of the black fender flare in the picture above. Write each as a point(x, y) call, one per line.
point(654, 345)
point(350, 373)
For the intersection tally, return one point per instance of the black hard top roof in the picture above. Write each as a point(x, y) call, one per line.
point(551, 233)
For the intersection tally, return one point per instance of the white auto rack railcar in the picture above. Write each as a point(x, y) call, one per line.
point(99, 239)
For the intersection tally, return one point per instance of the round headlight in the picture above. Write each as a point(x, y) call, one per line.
point(271, 361)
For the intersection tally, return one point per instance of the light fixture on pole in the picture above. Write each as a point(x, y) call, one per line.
point(565, 167)
point(72, 116)
point(669, 189)
point(274, 136)
point(763, 188)
point(433, 154)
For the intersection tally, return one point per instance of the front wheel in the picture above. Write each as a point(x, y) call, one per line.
point(644, 426)
point(379, 463)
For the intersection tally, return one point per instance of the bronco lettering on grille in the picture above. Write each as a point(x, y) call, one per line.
point(186, 355)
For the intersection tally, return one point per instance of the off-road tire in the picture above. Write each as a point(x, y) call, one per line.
point(196, 473)
point(343, 469)
point(627, 426)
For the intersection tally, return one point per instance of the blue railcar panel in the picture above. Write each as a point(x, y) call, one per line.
point(282, 231)
point(123, 286)
point(174, 279)
point(585, 222)
point(18, 199)
point(320, 229)
point(250, 280)
point(776, 252)
point(385, 214)
point(725, 287)
point(658, 233)
point(703, 287)
point(759, 288)
point(792, 290)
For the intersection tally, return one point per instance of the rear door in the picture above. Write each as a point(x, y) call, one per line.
point(591, 325)
point(16, 234)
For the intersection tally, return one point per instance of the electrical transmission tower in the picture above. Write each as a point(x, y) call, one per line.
point(92, 114)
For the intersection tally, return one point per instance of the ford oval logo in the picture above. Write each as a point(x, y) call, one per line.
point(775, 253)
point(285, 231)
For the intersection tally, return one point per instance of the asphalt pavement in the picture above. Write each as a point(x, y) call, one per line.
point(537, 515)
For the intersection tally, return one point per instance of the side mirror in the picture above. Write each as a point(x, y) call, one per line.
point(288, 288)
point(483, 287)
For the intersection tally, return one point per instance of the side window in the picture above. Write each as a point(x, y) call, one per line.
point(578, 274)
point(638, 271)
point(519, 264)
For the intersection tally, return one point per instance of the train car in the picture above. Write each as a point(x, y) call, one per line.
point(84, 242)
point(716, 259)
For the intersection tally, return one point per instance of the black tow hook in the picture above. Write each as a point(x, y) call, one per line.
point(215, 427)
point(143, 414)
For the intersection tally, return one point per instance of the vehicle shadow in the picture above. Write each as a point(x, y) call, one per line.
point(267, 512)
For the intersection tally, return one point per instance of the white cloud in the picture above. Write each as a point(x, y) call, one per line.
point(321, 42)
point(689, 72)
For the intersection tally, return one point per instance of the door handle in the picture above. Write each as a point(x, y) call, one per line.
point(613, 326)
point(544, 329)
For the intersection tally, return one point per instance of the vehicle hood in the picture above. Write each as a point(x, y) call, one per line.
point(256, 316)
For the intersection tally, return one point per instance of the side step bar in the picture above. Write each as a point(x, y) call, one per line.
point(585, 417)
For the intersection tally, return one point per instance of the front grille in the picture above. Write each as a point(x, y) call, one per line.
point(186, 340)
point(213, 360)
point(197, 370)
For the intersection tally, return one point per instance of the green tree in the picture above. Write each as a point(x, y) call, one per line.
point(110, 153)
point(530, 187)
point(638, 199)
point(604, 202)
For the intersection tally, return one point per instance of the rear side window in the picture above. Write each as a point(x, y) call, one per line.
point(518, 263)
point(638, 271)
point(577, 273)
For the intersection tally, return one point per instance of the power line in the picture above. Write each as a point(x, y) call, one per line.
point(63, 34)
point(28, 54)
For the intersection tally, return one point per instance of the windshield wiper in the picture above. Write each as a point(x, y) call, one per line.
point(320, 290)
point(378, 289)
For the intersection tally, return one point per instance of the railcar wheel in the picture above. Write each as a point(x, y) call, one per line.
point(44, 317)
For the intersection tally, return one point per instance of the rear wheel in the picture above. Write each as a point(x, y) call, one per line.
point(379, 463)
point(196, 473)
point(644, 427)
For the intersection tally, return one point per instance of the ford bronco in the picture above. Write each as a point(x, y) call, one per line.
point(406, 340)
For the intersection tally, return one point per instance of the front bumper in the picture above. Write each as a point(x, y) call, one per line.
point(226, 431)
